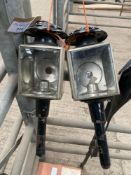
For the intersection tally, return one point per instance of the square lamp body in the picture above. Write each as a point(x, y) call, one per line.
point(41, 71)
point(92, 72)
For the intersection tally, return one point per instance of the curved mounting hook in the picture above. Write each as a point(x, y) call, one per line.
point(125, 92)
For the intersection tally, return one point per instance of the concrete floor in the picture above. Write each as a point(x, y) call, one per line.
point(120, 40)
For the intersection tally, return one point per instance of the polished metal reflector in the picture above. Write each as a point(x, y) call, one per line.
point(92, 73)
point(89, 72)
point(46, 71)
point(41, 71)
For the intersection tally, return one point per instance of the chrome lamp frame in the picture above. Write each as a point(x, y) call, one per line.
point(26, 88)
point(98, 59)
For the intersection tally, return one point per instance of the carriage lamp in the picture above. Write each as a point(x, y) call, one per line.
point(92, 73)
point(41, 71)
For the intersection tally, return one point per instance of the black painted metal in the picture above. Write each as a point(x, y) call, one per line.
point(41, 28)
point(81, 37)
point(97, 112)
point(42, 111)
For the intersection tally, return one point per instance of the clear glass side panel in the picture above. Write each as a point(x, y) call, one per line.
point(26, 69)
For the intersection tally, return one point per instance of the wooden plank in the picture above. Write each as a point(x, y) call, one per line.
point(105, 7)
